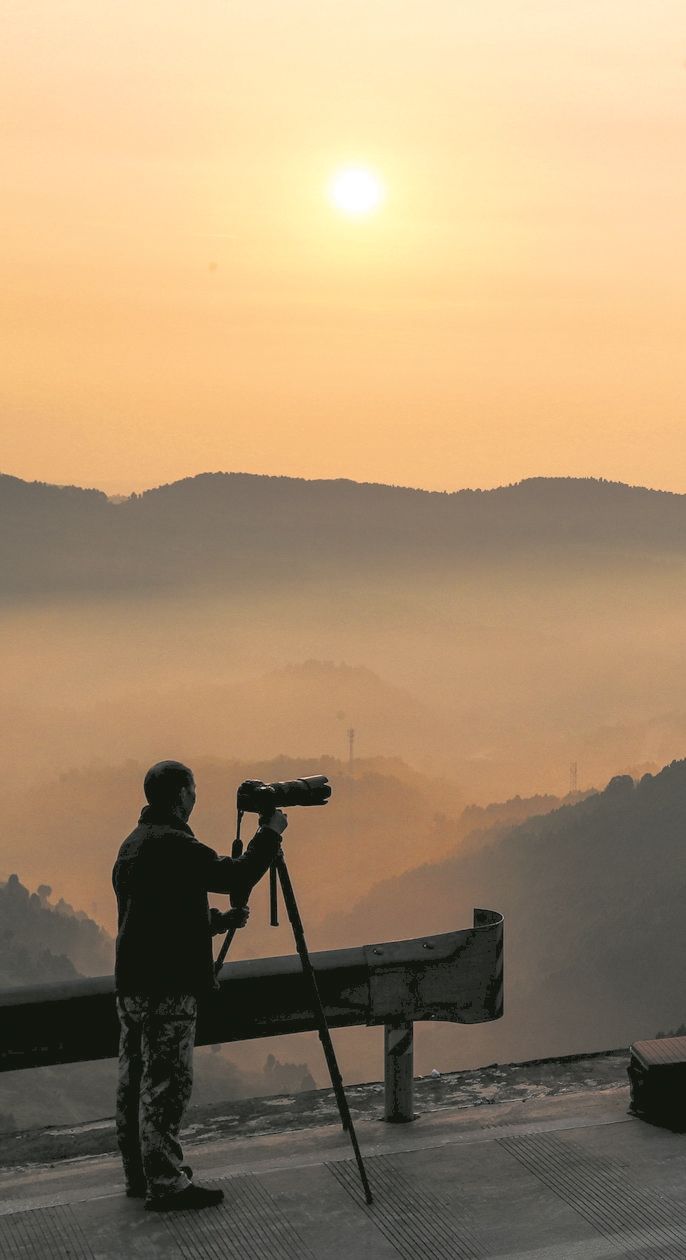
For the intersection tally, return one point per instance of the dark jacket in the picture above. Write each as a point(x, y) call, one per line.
point(162, 876)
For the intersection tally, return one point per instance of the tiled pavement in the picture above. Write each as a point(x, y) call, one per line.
point(566, 1178)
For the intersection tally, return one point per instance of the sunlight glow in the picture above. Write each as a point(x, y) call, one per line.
point(356, 191)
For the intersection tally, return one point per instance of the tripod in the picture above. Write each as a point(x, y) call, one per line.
point(279, 870)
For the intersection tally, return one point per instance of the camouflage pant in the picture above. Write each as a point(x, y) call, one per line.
point(155, 1082)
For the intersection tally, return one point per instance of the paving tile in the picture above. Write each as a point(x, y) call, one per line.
point(554, 1179)
point(620, 1207)
point(51, 1232)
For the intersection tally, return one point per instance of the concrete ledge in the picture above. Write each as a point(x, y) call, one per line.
point(496, 1083)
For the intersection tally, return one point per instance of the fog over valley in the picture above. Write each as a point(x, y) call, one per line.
point(478, 644)
point(488, 637)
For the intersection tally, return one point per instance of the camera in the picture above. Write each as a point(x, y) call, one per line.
point(256, 797)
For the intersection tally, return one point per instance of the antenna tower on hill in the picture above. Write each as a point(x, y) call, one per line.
point(351, 747)
point(573, 776)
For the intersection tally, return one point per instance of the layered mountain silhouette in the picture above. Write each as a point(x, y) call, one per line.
point(490, 638)
point(309, 703)
point(383, 817)
point(247, 529)
point(593, 897)
point(42, 941)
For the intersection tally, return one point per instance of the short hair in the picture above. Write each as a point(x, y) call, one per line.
point(165, 780)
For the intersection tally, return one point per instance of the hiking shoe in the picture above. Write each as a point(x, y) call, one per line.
point(139, 1189)
point(192, 1197)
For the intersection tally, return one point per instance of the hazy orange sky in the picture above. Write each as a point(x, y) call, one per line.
point(179, 296)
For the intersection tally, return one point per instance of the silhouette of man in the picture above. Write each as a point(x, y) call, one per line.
point(164, 963)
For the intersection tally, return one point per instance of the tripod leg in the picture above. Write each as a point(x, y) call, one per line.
point(224, 950)
point(318, 1010)
point(273, 899)
point(236, 851)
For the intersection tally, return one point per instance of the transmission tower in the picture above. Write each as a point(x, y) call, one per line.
point(573, 776)
point(351, 747)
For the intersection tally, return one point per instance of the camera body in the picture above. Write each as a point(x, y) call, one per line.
point(256, 797)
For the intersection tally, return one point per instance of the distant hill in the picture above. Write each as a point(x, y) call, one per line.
point(244, 529)
point(311, 705)
point(383, 817)
point(41, 941)
point(68, 830)
point(489, 638)
point(593, 896)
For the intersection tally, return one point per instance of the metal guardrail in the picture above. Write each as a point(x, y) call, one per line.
point(457, 976)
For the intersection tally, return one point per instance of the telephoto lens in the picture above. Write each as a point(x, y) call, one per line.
point(256, 797)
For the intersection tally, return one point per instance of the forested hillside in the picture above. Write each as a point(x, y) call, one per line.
point(593, 897)
point(41, 941)
point(244, 528)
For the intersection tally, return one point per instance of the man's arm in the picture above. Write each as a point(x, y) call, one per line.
point(238, 876)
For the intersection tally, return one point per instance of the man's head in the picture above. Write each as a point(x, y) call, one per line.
point(169, 785)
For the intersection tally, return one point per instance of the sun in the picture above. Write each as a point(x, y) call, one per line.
point(356, 191)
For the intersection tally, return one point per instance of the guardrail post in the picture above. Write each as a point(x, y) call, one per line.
point(398, 1067)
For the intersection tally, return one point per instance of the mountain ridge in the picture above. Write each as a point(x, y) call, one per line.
point(228, 528)
point(507, 487)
